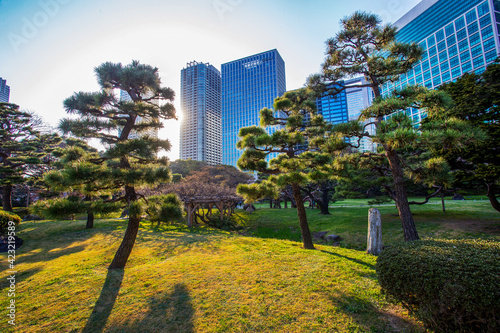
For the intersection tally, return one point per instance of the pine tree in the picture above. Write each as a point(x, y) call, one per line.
point(298, 133)
point(128, 163)
point(22, 146)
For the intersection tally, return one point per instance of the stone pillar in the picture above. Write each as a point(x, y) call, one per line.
point(374, 241)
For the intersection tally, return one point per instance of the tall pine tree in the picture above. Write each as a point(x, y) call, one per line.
point(130, 162)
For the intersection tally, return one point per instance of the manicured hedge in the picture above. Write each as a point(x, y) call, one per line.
point(5, 217)
point(451, 285)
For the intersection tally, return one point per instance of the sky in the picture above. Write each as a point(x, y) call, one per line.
point(49, 48)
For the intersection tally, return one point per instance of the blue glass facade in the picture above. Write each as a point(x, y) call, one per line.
point(457, 37)
point(4, 91)
point(334, 108)
point(248, 85)
point(201, 124)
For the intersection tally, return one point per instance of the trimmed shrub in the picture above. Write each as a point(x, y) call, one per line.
point(5, 217)
point(164, 208)
point(451, 285)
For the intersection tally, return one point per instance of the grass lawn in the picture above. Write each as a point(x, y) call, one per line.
point(205, 280)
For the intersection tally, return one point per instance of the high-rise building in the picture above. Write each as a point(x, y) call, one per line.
point(359, 97)
point(4, 91)
point(248, 85)
point(457, 37)
point(334, 107)
point(347, 105)
point(201, 127)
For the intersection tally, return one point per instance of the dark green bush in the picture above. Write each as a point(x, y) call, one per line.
point(164, 208)
point(451, 285)
point(5, 217)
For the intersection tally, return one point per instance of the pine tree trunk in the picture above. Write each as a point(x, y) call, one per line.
point(323, 204)
point(401, 197)
point(127, 244)
point(128, 241)
point(492, 195)
point(442, 202)
point(301, 212)
point(90, 220)
point(7, 198)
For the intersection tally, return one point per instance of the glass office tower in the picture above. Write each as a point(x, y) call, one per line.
point(248, 85)
point(201, 127)
point(333, 108)
point(457, 37)
point(4, 91)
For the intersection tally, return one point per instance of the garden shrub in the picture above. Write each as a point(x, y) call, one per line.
point(451, 285)
point(5, 217)
point(164, 208)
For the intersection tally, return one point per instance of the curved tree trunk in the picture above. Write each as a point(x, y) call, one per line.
point(492, 195)
point(90, 220)
point(301, 212)
point(127, 244)
point(7, 198)
point(401, 197)
point(128, 241)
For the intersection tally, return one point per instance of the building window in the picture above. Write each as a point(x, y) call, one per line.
point(461, 34)
point(485, 21)
point(439, 35)
point(459, 23)
point(431, 41)
point(478, 62)
point(489, 44)
point(472, 28)
point(471, 16)
point(466, 67)
point(449, 29)
point(456, 72)
point(483, 9)
point(451, 40)
point(465, 56)
point(446, 76)
point(474, 39)
point(487, 32)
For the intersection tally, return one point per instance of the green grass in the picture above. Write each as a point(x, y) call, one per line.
point(204, 280)
point(463, 219)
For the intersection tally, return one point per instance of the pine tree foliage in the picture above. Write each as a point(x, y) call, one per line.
point(22, 147)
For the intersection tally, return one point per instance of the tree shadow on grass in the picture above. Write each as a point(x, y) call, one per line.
point(104, 305)
point(371, 266)
point(373, 319)
point(172, 312)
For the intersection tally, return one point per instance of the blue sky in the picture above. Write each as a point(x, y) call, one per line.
point(48, 48)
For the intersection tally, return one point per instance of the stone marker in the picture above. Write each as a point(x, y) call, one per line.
point(374, 241)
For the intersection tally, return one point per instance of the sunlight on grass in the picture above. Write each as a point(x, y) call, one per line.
point(205, 280)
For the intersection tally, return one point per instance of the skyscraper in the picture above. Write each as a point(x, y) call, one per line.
point(248, 85)
point(358, 99)
point(201, 127)
point(4, 91)
point(333, 108)
point(457, 36)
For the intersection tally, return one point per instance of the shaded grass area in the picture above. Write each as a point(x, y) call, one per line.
point(467, 218)
point(191, 280)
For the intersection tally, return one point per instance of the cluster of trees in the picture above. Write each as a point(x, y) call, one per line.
point(313, 151)
point(455, 147)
